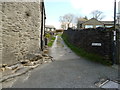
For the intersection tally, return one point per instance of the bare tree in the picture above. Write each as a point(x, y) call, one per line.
point(97, 14)
point(67, 19)
point(86, 17)
point(62, 21)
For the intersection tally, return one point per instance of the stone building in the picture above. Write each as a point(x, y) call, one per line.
point(21, 30)
point(93, 23)
point(49, 28)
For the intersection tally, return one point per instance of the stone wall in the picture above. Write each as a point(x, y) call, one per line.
point(85, 38)
point(20, 30)
point(0, 33)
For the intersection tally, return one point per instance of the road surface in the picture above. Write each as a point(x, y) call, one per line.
point(67, 71)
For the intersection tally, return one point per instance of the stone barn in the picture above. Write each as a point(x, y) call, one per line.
point(21, 30)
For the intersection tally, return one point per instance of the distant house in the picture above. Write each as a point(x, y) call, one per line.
point(108, 23)
point(65, 25)
point(93, 23)
point(59, 31)
point(80, 22)
point(49, 28)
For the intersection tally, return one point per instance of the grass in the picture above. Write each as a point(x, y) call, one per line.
point(51, 42)
point(84, 54)
point(59, 34)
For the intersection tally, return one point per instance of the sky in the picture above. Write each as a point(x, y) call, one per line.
point(80, 8)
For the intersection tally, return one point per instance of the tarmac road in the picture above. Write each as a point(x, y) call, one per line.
point(67, 71)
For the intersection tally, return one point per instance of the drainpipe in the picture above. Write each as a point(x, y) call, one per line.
point(42, 8)
point(44, 23)
point(45, 29)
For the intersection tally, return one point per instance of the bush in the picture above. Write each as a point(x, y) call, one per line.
point(51, 41)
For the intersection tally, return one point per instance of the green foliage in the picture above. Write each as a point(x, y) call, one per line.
point(51, 41)
point(83, 53)
point(47, 35)
point(59, 34)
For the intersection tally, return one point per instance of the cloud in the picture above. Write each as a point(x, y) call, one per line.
point(56, 0)
point(87, 6)
point(92, 4)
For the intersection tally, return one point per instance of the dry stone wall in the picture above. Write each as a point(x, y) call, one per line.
point(85, 38)
point(20, 30)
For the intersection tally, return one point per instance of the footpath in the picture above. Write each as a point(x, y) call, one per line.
point(69, 71)
point(9, 73)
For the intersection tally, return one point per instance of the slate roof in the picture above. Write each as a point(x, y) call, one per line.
point(81, 20)
point(108, 22)
point(49, 26)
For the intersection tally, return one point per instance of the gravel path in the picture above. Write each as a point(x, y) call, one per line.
point(67, 71)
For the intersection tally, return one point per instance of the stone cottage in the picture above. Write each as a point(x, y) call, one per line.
point(93, 23)
point(21, 30)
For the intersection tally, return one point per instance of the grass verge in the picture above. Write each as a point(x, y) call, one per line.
point(81, 52)
point(51, 42)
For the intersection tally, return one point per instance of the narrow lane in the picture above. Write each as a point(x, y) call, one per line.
point(67, 71)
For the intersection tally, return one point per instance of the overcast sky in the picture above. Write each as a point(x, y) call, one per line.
point(57, 8)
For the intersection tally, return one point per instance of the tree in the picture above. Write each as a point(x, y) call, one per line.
point(97, 14)
point(66, 19)
point(86, 17)
point(61, 19)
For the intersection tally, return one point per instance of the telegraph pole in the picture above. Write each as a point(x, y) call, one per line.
point(114, 36)
point(114, 14)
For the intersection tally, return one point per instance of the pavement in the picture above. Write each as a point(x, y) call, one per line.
point(10, 73)
point(67, 71)
point(0, 83)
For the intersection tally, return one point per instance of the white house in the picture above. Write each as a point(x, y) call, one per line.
point(49, 28)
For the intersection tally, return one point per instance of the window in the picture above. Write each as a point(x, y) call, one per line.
point(108, 26)
point(88, 26)
point(99, 26)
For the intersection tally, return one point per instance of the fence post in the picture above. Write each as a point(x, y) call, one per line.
point(114, 36)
